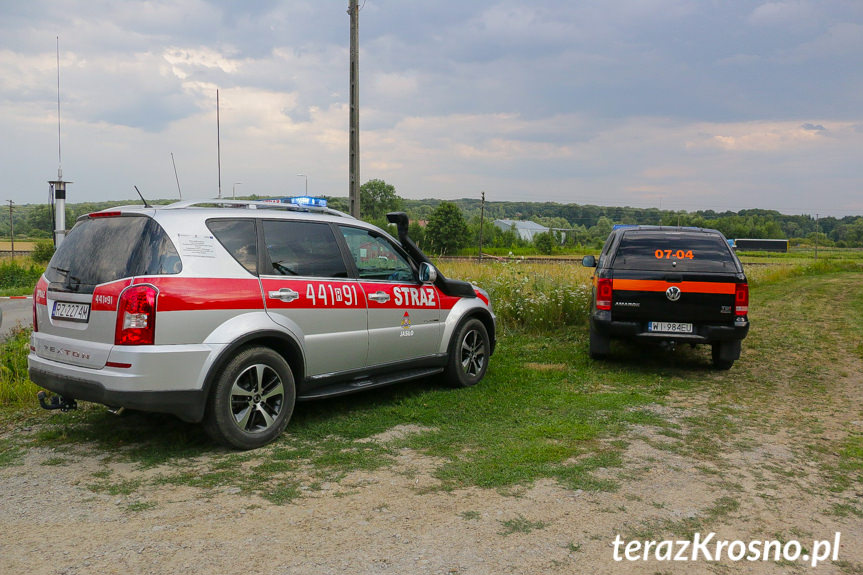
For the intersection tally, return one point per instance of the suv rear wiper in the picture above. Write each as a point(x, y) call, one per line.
point(72, 280)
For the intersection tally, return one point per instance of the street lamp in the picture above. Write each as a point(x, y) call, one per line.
point(234, 189)
point(307, 182)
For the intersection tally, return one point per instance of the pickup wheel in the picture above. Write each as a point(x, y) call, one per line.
point(252, 399)
point(720, 354)
point(600, 345)
point(468, 355)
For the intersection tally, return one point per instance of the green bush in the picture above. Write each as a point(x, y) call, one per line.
point(42, 252)
point(15, 275)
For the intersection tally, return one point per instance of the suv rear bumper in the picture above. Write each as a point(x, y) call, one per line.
point(188, 405)
point(163, 379)
point(702, 332)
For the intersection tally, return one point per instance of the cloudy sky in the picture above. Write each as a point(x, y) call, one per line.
point(678, 104)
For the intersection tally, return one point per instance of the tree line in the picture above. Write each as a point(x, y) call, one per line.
point(447, 227)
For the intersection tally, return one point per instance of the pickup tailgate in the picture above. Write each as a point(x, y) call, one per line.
point(653, 297)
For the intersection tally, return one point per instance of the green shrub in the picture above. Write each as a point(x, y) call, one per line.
point(15, 275)
point(42, 252)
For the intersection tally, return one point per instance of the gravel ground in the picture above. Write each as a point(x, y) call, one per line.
point(394, 520)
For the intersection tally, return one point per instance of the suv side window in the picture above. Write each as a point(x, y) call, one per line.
point(306, 249)
point(376, 257)
point(238, 237)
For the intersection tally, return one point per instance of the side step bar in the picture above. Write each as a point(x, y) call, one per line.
point(351, 386)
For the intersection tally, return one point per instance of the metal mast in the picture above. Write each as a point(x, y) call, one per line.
point(57, 188)
point(354, 151)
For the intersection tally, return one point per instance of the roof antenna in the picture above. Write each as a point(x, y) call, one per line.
point(176, 176)
point(146, 205)
point(219, 143)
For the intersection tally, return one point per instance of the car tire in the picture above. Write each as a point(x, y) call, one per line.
point(468, 355)
point(719, 353)
point(251, 400)
point(600, 345)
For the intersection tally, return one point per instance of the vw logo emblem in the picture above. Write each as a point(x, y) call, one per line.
point(673, 293)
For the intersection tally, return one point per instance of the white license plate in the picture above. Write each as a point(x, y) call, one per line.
point(71, 311)
point(669, 327)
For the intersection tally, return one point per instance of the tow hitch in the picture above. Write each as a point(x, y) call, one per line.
point(60, 402)
point(669, 344)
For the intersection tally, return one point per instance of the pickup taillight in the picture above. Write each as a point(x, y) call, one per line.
point(603, 294)
point(136, 316)
point(741, 299)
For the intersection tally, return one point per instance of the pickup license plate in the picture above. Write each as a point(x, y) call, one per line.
point(71, 311)
point(669, 327)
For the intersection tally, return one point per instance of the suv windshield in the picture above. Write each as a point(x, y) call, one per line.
point(105, 249)
point(678, 251)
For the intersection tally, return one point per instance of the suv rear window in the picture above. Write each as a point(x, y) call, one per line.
point(677, 251)
point(101, 250)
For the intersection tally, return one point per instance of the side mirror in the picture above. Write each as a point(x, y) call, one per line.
point(588, 261)
point(428, 273)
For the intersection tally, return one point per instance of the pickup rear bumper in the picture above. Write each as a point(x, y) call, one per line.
point(602, 323)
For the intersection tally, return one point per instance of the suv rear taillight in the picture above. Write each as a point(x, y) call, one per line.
point(603, 294)
point(136, 316)
point(741, 299)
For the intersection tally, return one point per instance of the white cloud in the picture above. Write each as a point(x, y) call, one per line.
point(785, 13)
point(756, 137)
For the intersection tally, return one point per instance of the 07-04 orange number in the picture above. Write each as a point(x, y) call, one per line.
point(677, 254)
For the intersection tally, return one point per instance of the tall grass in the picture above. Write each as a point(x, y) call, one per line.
point(15, 386)
point(773, 273)
point(529, 296)
point(17, 277)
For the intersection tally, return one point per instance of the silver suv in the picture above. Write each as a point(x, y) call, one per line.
point(227, 312)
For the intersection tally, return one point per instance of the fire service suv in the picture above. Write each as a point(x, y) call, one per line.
point(226, 312)
point(669, 285)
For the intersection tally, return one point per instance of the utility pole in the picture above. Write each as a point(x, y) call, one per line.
point(816, 237)
point(11, 228)
point(354, 151)
point(481, 221)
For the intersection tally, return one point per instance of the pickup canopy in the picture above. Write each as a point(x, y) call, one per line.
point(683, 251)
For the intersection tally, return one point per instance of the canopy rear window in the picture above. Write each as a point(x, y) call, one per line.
point(101, 250)
point(674, 251)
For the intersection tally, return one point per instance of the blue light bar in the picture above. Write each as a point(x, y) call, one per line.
point(299, 201)
point(308, 201)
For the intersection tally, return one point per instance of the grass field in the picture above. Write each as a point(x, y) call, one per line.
point(545, 410)
point(26, 246)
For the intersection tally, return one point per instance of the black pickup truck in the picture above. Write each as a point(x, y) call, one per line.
point(668, 284)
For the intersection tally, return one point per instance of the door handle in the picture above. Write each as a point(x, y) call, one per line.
point(380, 297)
point(285, 294)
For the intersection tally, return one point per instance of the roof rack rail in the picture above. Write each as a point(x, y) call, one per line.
point(253, 205)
